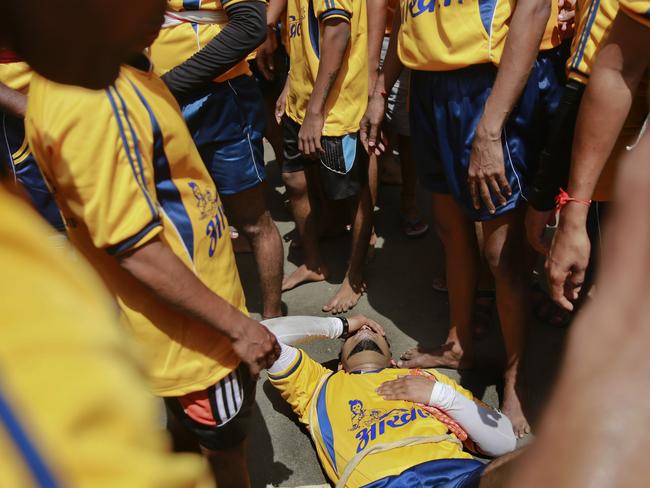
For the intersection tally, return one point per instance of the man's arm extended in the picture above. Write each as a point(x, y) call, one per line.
point(266, 51)
point(617, 73)
point(160, 270)
point(336, 36)
point(12, 101)
point(376, 30)
point(388, 75)
point(246, 29)
point(486, 173)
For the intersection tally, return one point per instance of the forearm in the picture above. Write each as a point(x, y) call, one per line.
point(336, 36)
point(521, 48)
point(164, 274)
point(290, 331)
point(490, 430)
point(12, 101)
point(245, 31)
point(376, 30)
point(392, 67)
point(274, 11)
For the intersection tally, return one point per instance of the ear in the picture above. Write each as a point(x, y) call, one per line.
point(340, 366)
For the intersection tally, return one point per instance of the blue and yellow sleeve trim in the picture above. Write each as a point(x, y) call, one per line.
point(335, 13)
point(143, 236)
point(291, 369)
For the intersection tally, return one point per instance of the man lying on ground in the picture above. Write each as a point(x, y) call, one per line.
point(374, 424)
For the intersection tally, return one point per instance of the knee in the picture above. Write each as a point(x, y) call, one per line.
point(295, 183)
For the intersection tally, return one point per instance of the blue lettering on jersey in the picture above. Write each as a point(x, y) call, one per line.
point(210, 207)
point(394, 419)
point(419, 7)
point(295, 27)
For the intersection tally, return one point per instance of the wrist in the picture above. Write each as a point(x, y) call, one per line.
point(574, 216)
point(346, 327)
point(490, 131)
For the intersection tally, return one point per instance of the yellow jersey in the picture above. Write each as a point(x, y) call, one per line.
point(594, 19)
point(348, 97)
point(445, 35)
point(17, 76)
point(178, 43)
point(123, 169)
point(345, 416)
point(639, 10)
point(74, 410)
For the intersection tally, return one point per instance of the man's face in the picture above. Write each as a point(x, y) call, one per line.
point(365, 348)
point(79, 42)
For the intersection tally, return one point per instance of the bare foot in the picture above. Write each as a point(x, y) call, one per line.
point(447, 356)
point(304, 275)
point(513, 410)
point(346, 298)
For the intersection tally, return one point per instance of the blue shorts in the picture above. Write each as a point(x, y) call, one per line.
point(446, 108)
point(226, 121)
point(22, 164)
point(442, 473)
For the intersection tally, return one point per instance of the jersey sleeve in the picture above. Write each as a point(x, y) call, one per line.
point(91, 153)
point(229, 3)
point(639, 10)
point(298, 383)
point(333, 9)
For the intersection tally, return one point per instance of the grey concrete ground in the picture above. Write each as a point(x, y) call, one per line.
point(401, 298)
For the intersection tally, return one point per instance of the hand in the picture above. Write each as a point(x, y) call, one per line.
point(256, 346)
point(370, 126)
point(536, 222)
point(567, 261)
point(416, 389)
point(358, 321)
point(280, 105)
point(566, 17)
point(310, 134)
point(487, 172)
point(265, 55)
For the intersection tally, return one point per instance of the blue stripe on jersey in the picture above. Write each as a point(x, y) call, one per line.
point(191, 4)
point(127, 150)
point(647, 13)
point(324, 424)
point(291, 370)
point(337, 11)
point(168, 195)
point(39, 470)
point(486, 8)
point(584, 37)
point(314, 31)
point(127, 244)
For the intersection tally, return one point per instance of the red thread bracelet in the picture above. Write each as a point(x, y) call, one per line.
point(563, 198)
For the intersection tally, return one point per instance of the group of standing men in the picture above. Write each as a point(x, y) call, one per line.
point(147, 173)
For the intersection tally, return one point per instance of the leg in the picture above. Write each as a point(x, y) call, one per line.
point(413, 224)
point(247, 211)
point(499, 472)
point(462, 261)
point(505, 255)
point(354, 285)
point(302, 206)
point(229, 466)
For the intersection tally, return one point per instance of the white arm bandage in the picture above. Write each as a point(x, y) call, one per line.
point(297, 330)
point(489, 429)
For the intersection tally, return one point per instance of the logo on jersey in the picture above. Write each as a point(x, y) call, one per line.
point(210, 207)
point(362, 417)
point(419, 7)
point(295, 24)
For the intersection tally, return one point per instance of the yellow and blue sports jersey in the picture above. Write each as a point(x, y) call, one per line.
point(444, 36)
point(639, 10)
point(123, 169)
point(348, 96)
point(345, 415)
point(17, 76)
point(178, 43)
point(594, 19)
point(74, 410)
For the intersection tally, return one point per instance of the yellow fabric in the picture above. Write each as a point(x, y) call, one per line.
point(68, 372)
point(444, 36)
point(16, 76)
point(96, 148)
point(177, 44)
point(348, 406)
point(593, 21)
point(639, 10)
point(348, 96)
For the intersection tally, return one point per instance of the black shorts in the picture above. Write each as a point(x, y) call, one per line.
point(219, 416)
point(342, 169)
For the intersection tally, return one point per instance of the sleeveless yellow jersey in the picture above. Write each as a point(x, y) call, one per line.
point(69, 383)
point(345, 415)
point(444, 35)
point(178, 43)
point(349, 94)
point(639, 10)
point(594, 19)
point(123, 169)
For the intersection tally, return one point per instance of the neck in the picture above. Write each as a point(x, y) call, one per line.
point(365, 367)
